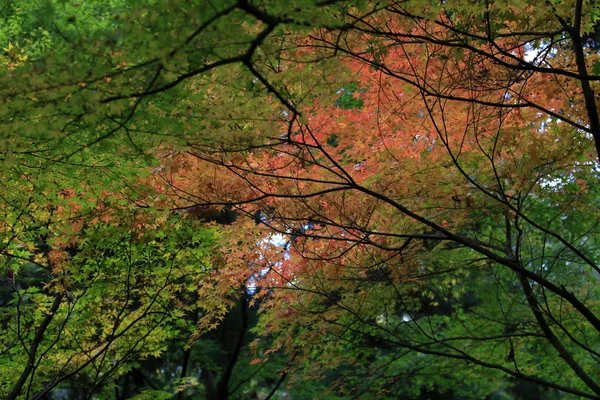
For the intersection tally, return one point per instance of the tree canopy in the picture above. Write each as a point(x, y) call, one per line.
point(332, 199)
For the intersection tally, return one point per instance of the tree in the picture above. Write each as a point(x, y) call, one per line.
point(433, 166)
point(459, 140)
point(98, 278)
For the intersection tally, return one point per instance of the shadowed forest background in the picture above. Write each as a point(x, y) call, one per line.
point(295, 200)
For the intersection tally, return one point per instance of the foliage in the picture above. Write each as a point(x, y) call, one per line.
point(432, 168)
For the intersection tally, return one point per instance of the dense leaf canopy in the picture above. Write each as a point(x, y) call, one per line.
point(316, 199)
